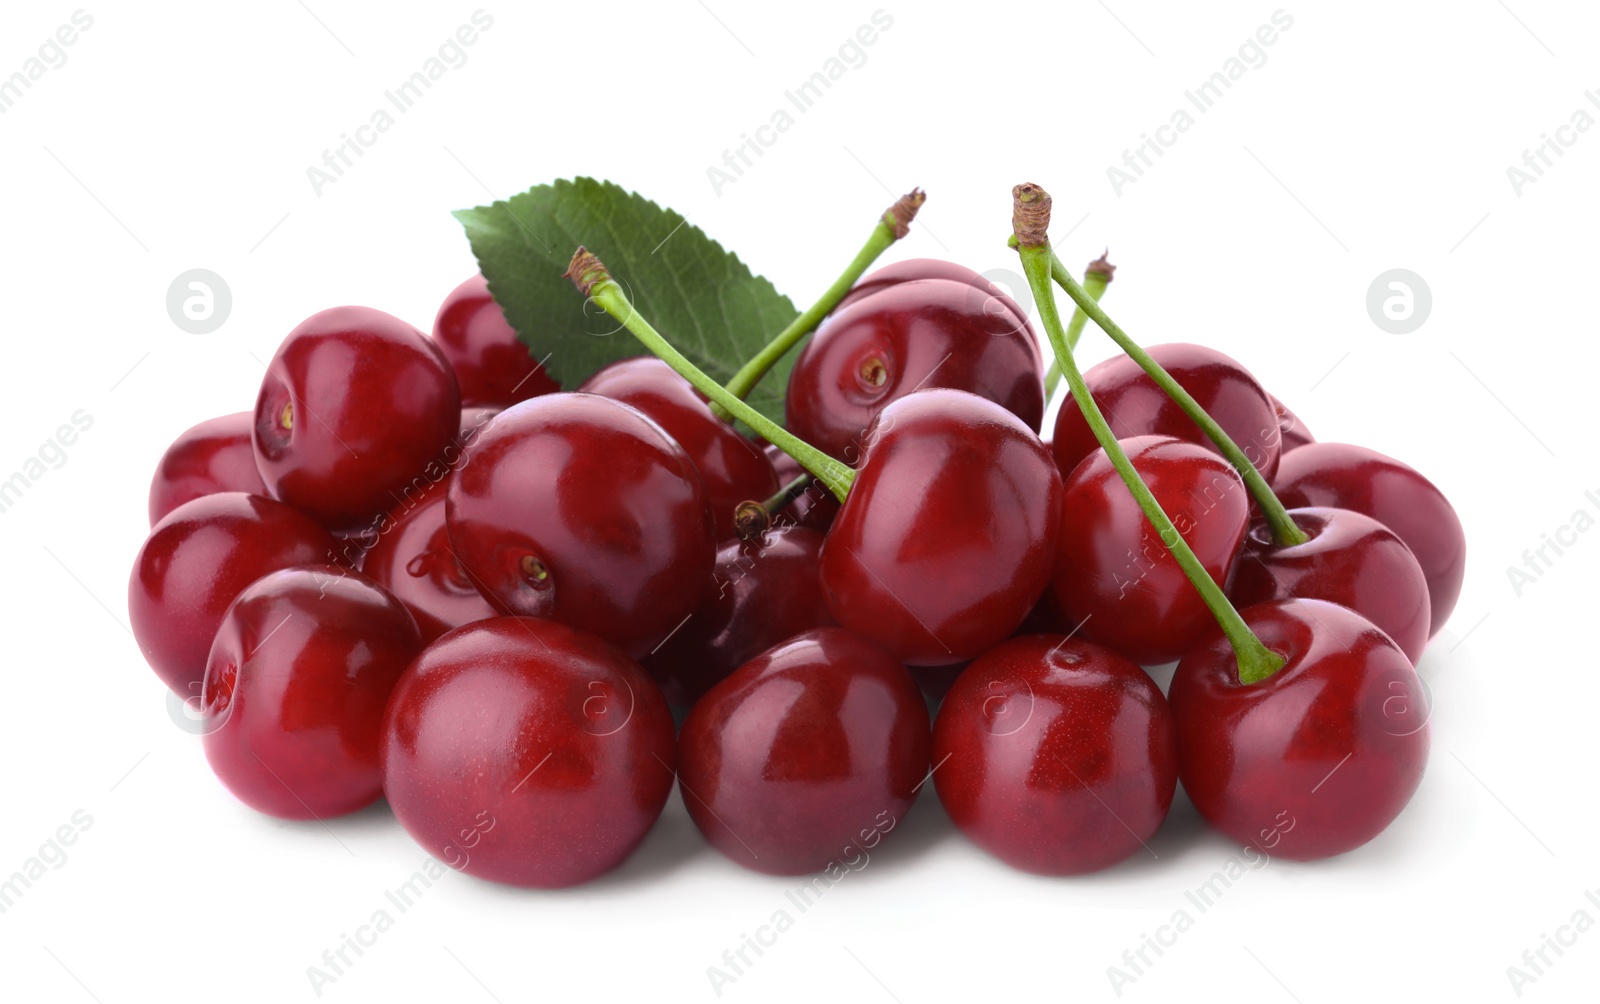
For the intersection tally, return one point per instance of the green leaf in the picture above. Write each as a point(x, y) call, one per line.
point(700, 296)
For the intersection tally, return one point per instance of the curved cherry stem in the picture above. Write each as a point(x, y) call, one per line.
point(1256, 660)
point(1097, 276)
point(592, 279)
point(894, 224)
point(1284, 530)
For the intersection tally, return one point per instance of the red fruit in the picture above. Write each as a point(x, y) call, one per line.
point(986, 297)
point(1291, 430)
point(413, 559)
point(1057, 756)
point(295, 689)
point(806, 756)
point(355, 405)
point(521, 751)
point(196, 560)
point(1113, 574)
point(214, 456)
point(1318, 758)
point(1135, 406)
point(492, 366)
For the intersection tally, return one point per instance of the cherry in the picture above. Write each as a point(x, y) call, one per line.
point(1319, 757)
point(1112, 572)
point(947, 536)
point(413, 559)
point(578, 508)
point(1136, 406)
point(295, 688)
point(1354, 477)
point(492, 366)
point(355, 405)
point(988, 297)
point(1352, 560)
point(214, 456)
point(1057, 755)
point(806, 756)
point(1291, 430)
point(521, 751)
point(196, 560)
point(906, 336)
point(733, 468)
point(763, 591)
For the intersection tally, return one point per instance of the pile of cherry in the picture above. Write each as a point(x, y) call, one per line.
point(421, 570)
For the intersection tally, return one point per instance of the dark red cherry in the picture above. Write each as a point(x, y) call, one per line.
point(906, 337)
point(762, 592)
point(521, 751)
point(1352, 560)
point(987, 297)
point(1291, 430)
point(948, 536)
point(1135, 406)
point(1354, 477)
point(733, 468)
point(1114, 575)
point(492, 366)
point(196, 560)
point(578, 508)
point(1057, 755)
point(808, 755)
point(1318, 758)
point(354, 406)
point(295, 688)
point(214, 456)
point(413, 559)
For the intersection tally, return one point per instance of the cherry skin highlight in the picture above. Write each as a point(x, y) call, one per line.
point(1352, 560)
point(1058, 755)
point(807, 756)
point(1318, 758)
point(355, 405)
point(733, 468)
point(1115, 577)
point(412, 558)
point(947, 537)
point(521, 751)
point(578, 508)
point(214, 456)
point(491, 365)
point(1135, 406)
point(295, 690)
point(909, 336)
point(763, 592)
point(987, 297)
point(1353, 477)
point(196, 560)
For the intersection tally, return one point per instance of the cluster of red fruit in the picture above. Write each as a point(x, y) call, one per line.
point(422, 570)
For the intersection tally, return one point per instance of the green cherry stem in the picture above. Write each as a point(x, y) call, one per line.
point(1097, 276)
point(1031, 221)
point(1284, 531)
point(594, 281)
point(894, 224)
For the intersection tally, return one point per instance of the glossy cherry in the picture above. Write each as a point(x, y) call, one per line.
point(355, 404)
point(578, 508)
point(807, 756)
point(1318, 758)
point(214, 456)
point(1114, 575)
point(491, 365)
point(763, 591)
point(947, 537)
point(521, 751)
point(413, 559)
point(295, 689)
point(906, 336)
point(986, 297)
point(1354, 477)
point(1057, 755)
point(1352, 560)
point(1291, 430)
point(733, 468)
point(196, 560)
point(1135, 406)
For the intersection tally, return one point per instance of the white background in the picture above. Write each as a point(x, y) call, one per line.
point(1375, 136)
